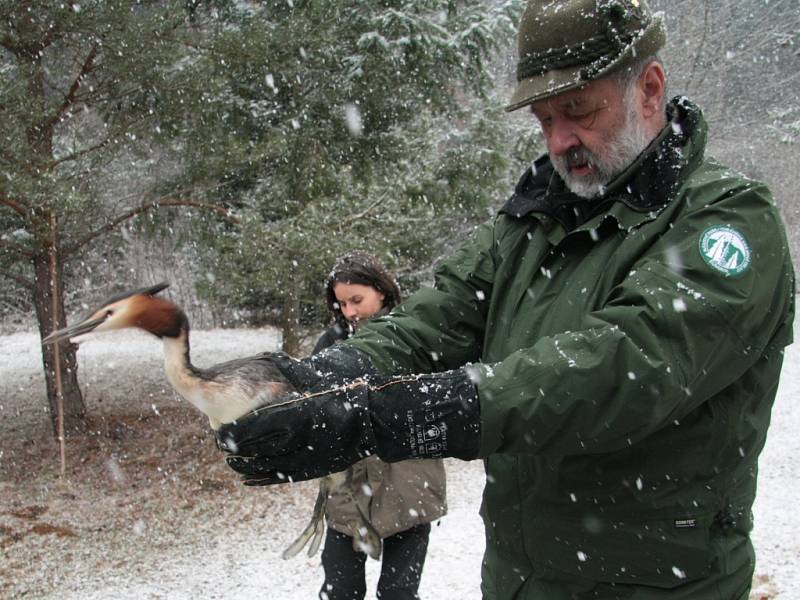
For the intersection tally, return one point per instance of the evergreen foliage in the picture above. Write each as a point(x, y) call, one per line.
point(323, 126)
point(84, 86)
point(92, 92)
point(343, 125)
point(258, 139)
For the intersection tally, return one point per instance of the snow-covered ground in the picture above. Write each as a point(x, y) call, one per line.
point(179, 539)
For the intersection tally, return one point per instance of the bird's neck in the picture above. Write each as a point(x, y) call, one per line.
point(177, 364)
point(187, 380)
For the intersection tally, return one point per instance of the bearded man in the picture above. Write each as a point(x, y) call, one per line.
point(610, 343)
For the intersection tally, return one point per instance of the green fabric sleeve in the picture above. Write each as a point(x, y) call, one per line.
point(439, 328)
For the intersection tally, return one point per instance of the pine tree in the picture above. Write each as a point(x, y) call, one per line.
point(346, 125)
point(287, 132)
point(85, 87)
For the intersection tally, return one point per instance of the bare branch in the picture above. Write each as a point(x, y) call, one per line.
point(79, 154)
point(17, 248)
point(23, 281)
point(358, 216)
point(7, 43)
point(143, 208)
point(69, 99)
point(30, 50)
point(17, 207)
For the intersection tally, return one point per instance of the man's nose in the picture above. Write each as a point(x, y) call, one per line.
point(562, 138)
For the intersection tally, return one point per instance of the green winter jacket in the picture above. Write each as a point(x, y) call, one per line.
point(627, 353)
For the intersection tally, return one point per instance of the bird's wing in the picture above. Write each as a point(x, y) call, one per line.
point(253, 370)
point(231, 389)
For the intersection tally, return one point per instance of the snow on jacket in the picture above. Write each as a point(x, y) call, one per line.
point(395, 497)
point(629, 353)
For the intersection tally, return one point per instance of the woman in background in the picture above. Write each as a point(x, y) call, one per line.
point(400, 499)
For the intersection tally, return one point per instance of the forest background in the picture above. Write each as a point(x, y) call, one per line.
point(237, 148)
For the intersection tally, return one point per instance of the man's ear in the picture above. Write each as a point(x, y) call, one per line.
point(653, 85)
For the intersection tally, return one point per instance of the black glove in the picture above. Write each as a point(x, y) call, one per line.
point(325, 369)
point(308, 436)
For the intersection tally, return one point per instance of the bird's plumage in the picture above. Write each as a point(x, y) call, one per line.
point(223, 392)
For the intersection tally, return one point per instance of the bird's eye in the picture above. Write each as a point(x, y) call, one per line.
point(109, 312)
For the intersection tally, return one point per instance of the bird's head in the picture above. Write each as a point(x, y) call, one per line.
point(138, 308)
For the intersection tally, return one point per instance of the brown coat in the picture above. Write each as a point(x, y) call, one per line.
point(393, 496)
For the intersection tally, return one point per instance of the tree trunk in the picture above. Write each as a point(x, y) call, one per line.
point(290, 324)
point(48, 290)
point(74, 407)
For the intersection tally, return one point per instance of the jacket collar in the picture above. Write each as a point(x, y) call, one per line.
point(645, 187)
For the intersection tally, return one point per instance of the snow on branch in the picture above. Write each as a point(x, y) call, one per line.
point(141, 209)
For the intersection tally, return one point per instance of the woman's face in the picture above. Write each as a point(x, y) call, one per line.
point(357, 302)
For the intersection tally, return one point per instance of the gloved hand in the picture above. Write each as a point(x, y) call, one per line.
point(325, 369)
point(307, 436)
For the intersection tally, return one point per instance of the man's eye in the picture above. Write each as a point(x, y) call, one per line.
point(584, 117)
point(580, 114)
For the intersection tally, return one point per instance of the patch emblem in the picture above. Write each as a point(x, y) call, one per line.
point(725, 249)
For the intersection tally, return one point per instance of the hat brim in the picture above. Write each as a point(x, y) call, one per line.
point(557, 81)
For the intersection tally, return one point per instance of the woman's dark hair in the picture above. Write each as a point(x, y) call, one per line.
point(362, 269)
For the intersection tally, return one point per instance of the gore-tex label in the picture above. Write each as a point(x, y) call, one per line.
point(685, 523)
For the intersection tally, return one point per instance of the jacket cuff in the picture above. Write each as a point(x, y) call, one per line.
point(341, 363)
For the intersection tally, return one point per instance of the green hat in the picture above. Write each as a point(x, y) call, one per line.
point(565, 44)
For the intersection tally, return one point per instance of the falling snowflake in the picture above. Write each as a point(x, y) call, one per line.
point(352, 116)
point(679, 573)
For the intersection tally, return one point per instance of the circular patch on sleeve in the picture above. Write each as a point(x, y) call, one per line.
point(725, 249)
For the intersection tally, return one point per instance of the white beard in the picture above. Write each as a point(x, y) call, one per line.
point(620, 151)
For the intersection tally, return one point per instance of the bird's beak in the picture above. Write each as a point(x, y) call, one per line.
point(84, 326)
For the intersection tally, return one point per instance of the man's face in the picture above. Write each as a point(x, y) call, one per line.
point(592, 133)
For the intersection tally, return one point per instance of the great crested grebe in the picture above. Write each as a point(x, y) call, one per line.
point(223, 392)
